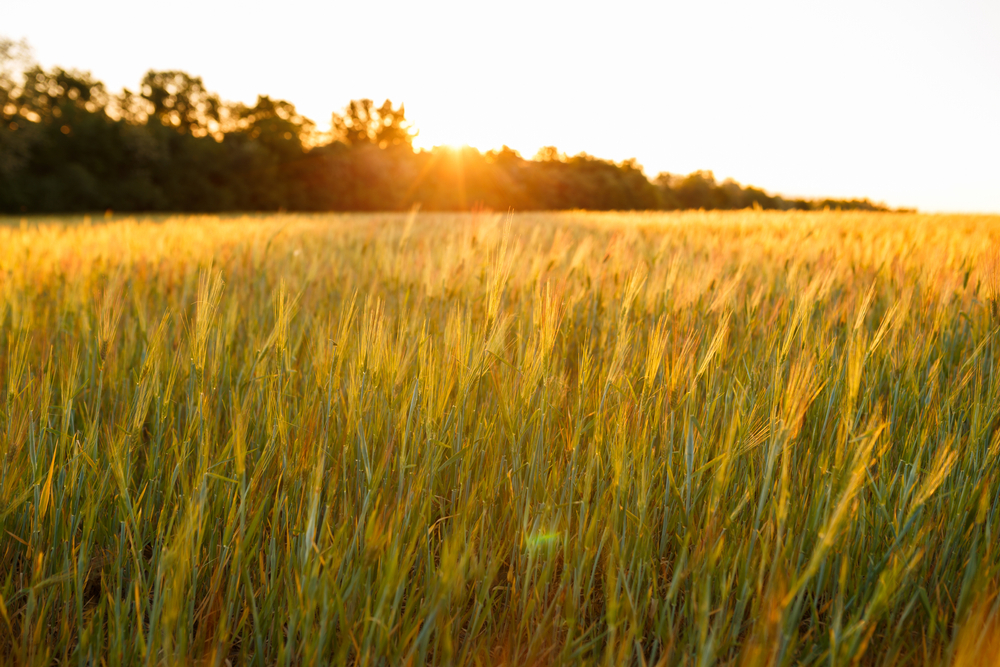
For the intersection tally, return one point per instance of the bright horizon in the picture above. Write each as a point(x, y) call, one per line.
point(895, 101)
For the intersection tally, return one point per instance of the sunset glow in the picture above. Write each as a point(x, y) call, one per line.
point(896, 101)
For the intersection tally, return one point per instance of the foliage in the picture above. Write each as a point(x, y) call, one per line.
point(364, 123)
point(710, 438)
point(66, 144)
point(179, 100)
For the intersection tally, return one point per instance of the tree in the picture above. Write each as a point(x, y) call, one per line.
point(364, 123)
point(549, 154)
point(276, 123)
point(181, 101)
point(67, 145)
point(266, 147)
point(699, 190)
point(58, 92)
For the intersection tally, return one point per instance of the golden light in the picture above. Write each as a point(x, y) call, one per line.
point(893, 100)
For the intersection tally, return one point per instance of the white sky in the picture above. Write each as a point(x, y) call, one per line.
point(898, 101)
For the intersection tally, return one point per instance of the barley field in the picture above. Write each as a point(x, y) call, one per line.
point(695, 438)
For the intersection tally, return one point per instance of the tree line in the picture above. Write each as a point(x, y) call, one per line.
point(67, 144)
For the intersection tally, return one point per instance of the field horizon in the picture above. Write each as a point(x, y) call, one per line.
point(695, 437)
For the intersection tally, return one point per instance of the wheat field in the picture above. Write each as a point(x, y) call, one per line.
point(682, 439)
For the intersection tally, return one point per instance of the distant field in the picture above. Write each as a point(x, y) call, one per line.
point(690, 438)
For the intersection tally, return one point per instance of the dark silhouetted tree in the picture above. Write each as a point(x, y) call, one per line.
point(181, 101)
point(364, 123)
point(67, 145)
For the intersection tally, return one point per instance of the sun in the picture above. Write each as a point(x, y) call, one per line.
point(429, 140)
point(450, 146)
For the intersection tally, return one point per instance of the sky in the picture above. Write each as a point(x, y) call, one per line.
point(898, 101)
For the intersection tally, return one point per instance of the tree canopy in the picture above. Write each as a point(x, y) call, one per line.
point(67, 144)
